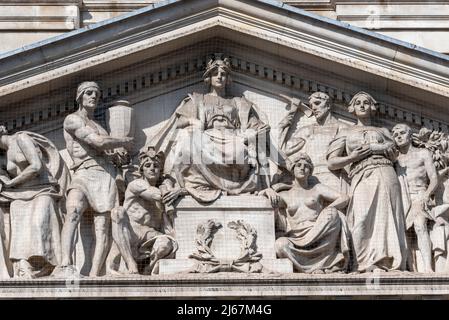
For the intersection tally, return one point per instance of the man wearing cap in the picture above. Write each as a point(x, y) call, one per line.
point(314, 140)
point(93, 180)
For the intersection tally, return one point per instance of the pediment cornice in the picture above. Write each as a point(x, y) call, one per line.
point(263, 72)
point(169, 25)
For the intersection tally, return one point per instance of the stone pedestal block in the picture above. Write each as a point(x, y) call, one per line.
point(256, 212)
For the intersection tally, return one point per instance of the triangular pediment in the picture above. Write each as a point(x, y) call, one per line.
point(274, 48)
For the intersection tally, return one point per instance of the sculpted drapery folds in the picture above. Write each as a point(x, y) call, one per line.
point(315, 236)
point(138, 227)
point(220, 140)
point(34, 185)
point(375, 213)
point(213, 145)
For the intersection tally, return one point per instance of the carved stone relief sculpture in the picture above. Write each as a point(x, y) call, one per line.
point(34, 185)
point(375, 212)
point(437, 142)
point(313, 140)
point(348, 198)
point(419, 179)
point(5, 264)
point(138, 226)
point(207, 262)
point(422, 170)
point(217, 138)
point(315, 234)
point(93, 180)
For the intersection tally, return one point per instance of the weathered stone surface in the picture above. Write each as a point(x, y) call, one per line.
point(225, 244)
point(181, 184)
point(235, 286)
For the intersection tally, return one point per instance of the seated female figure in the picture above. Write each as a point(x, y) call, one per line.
point(315, 236)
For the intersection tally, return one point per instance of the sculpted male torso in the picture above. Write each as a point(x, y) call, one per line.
point(419, 180)
point(76, 125)
point(414, 163)
point(141, 199)
point(138, 227)
point(93, 179)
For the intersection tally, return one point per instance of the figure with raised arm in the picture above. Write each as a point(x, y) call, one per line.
point(313, 140)
point(221, 140)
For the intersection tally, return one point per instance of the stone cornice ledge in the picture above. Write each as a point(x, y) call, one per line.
point(232, 285)
point(263, 19)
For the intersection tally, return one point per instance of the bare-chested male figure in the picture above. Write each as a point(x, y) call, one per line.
point(138, 227)
point(93, 180)
point(419, 179)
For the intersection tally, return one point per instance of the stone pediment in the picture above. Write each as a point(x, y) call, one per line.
point(155, 58)
point(168, 42)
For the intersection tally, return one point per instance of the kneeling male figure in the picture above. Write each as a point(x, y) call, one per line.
point(138, 226)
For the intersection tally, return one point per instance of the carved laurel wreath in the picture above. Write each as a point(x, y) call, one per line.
point(205, 233)
point(249, 257)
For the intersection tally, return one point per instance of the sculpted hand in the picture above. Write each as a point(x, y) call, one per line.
point(172, 195)
point(426, 202)
point(287, 121)
point(272, 196)
point(390, 153)
point(360, 153)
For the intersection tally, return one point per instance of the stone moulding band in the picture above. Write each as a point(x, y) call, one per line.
point(231, 285)
point(133, 88)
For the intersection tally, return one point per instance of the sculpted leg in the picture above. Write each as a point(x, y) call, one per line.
point(162, 248)
point(122, 237)
point(113, 260)
point(424, 243)
point(102, 222)
point(76, 204)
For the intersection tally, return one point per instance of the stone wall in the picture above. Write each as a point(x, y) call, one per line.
point(422, 23)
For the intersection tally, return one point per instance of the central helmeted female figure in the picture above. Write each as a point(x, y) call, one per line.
point(217, 141)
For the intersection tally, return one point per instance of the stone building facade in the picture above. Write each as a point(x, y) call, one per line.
point(224, 148)
point(423, 23)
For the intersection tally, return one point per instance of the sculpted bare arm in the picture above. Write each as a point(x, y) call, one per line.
point(137, 187)
point(432, 173)
point(75, 126)
point(338, 200)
